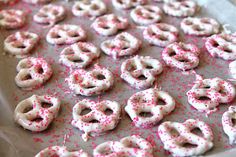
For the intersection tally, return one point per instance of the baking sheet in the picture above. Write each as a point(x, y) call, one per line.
point(17, 142)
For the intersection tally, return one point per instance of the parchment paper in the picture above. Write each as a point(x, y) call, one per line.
point(17, 142)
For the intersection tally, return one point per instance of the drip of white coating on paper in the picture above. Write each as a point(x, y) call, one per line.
point(85, 136)
point(210, 112)
point(226, 28)
point(64, 139)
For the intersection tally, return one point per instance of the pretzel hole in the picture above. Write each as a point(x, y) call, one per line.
point(40, 70)
point(161, 102)
point(227, 49)
point(95, 7)
point(188, 22)
point(84, 49)
point(205, 21)
point(54, 155)
point(37, 119)
point(27, 109)
point(78, 8)
point(174, 133)
point(197, 28)
point(206, 87)
point(85, 111)
point(55, 12)
point(233, 122)
point(203, 98)
point(166, 29)
point(108, 112)
point(142, 77)
point(163, 38)
point(21, 46)
point(222, 91)
point(189, 145)
point(56, 36)
point(46, 104)
point(93, 121)
point(90, 87)
point(77, 60)
point(100, 77)
point(145, 114)
point(149, 66)
point(131, 67)
point(183, 60)
point(185, 5)
point(106, 27)
point(27, 77)
point(197, 131)
point(106, 151)
point(131, 144)
point(172, 53)
point(215, 43)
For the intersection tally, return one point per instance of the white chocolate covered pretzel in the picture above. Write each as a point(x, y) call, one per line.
point(180, 8)
point(109, 24)
point(50, 14)
point(128, 146)
point(124, 44)
point(60, 151)
point(37, 112)
point(177, 136)
point(181, 55)
point(200, 26)
point(146, 15)
point(12, 19)
point(228, 125)
point(93, 82)
point(79, 55)
point(222, 46)
point(232, 69)
point(140, 71)
point(207, 94)
point(127, 4)
point(101, 117)
point(65, 34)
point(161, 34)
point(32, 73)
point(144, 109)
point(89, 8)
point(20, 44)
point(37, 1)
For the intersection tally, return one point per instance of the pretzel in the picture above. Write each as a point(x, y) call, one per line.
point(102, 116)
point(50, 14)
point(146, 15)
point(89, 8)
point(79, 55)
point(180, 8)
point(127, 4)
point(140, 71)
point(161, 34)
point(20, 43)
point(60, 151)
point(65, 34)
point(89, 83)
point(124, 44)
point(32, 73)
point(200, 26)
point(228, 125)
point(37, 112)
point(128, 146)
point(146, 102)
point(207, 94)
point(37, 1)
point(232, 69)
point(176, 137)
point(222, 45)
point(109, 24)
point(12, 19)
point(181, 55)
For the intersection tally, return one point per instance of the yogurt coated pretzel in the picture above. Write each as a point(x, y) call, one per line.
point(200, 26)
point(147, 102)
point(146, 15)
point(207, 94)
point(128, 146)
point(222, 45)
point(123, 44)
point(232, 69)
point(127, 4)
point(60, 151)
point(79, 55)
point(65, 34)
point(228, 125)
point(109, 24)
point(12, 19)
point(50, 14)
point(181, 55)
point(140, 71)
point(37, 112)
point(89, 8)
point(161, 34)
point(175, 135)
point(180, 8)
point(32, 73)
point(37, 1)
point(20, 43)
point(98, 120)
point(89, 83)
